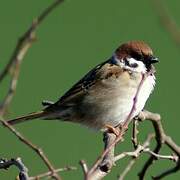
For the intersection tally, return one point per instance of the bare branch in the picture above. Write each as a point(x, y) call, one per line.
point(168, 172)
point(159, 156)
point(138, 150)
point(33, 147)
point(108, 161)
point(101, 170)
point(171, 144)
point(161, 138)
point(84, 167)
point(23, 45)
point(23, 174)
point(46, 174)
point(127, 169)
point(135, 154)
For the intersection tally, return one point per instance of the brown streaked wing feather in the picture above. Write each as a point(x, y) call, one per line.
point(104, 70)
point(81, 87)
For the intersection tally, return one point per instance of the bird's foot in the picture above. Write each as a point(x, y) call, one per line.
point(111, 129)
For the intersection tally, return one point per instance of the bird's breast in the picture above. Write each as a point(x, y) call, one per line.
point(111, 101)
point(124, 95)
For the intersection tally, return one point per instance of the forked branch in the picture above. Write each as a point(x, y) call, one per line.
point(103, 167)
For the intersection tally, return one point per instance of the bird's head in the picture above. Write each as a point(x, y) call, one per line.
point(136, 56)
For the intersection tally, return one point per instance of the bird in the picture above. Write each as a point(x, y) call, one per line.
point(108, 95)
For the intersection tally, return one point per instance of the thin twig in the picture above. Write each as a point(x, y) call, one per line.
point(23, 45)
point(168, 172)
point(172, 145)
point(84, 167)
point(23, 174)
point(33, 147)
point(160, 156)
point(127, 169)
point(161, 138)
point(138, 150)
point(46, 174)
point(135, 154)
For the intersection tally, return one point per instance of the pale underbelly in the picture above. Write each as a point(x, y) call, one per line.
point(115, 107)
point(108, 111)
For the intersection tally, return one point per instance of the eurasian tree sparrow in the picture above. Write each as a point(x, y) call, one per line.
point(104, 97)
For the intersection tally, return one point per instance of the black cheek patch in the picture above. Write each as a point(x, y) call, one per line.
point(134, 65)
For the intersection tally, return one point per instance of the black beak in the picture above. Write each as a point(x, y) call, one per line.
point(153, 60)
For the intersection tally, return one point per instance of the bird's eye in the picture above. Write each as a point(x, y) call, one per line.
point(137, 56)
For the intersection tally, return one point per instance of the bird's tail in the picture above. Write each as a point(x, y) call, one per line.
point(28, 117)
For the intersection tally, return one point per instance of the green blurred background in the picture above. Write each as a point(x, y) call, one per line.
point(74, 38)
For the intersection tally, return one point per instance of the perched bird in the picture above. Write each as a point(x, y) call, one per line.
point(109, 94)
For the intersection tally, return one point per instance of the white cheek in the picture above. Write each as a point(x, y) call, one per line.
point(140, 65)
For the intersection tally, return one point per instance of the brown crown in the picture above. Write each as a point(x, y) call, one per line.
point(131, 47)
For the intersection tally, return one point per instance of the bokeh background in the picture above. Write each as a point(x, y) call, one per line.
point(73, 39)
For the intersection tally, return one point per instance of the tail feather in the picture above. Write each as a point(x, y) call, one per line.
point(28, 117)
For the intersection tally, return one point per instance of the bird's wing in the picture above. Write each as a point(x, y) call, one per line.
point(78, 90)
point(101, 71)
point(82, 86)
